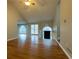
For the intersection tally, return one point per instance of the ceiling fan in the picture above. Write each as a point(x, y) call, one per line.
point(39, 2)
point(29, 2)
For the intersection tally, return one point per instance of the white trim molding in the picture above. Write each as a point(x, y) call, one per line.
point(11, 39)
point(64, 50)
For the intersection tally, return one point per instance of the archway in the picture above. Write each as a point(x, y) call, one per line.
point(47, 32)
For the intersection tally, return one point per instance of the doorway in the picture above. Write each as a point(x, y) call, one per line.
point(47, 32)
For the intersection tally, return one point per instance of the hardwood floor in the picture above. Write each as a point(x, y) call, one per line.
point(43, 49)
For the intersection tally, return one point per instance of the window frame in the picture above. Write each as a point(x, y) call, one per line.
point(35, 29)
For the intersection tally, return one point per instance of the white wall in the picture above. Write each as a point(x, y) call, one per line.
point(57, 22)
point(12, 18)
point(43, 24)
point(66, 25)
point(63, 24)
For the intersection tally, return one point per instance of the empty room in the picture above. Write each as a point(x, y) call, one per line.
point(39, 29)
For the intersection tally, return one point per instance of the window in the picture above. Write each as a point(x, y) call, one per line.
point(22, 29)
point(22, 33)
point(34, 29)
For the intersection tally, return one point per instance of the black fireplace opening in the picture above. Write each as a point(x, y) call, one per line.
point(46, 34)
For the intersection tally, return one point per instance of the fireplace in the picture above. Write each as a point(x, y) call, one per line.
point(46, 34)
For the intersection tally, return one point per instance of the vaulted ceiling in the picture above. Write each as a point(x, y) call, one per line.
point(42, 10)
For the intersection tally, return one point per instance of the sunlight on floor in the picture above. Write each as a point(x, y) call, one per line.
point(22, 39)
point(47, 42)
point(34, 41)
point(34, 38)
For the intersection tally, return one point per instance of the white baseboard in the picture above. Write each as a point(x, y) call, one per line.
point(63, 50)
point(11, 39)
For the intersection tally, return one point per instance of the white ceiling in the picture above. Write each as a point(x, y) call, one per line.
point(42, 10)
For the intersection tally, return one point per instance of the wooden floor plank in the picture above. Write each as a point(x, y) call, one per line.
point(33, 50)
